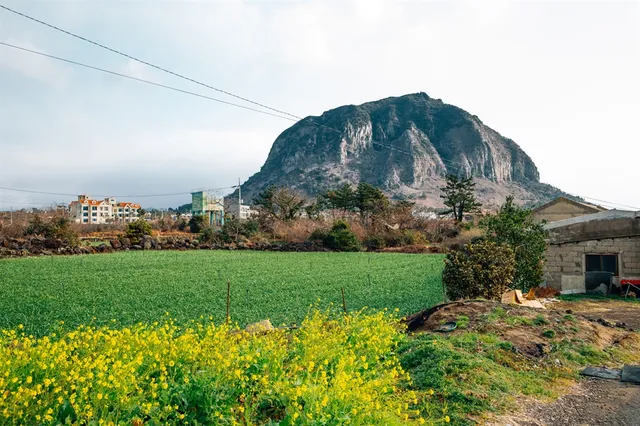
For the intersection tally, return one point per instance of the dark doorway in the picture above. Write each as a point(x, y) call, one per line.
point(599, 269)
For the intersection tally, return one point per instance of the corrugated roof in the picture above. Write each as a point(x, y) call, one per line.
point(606, 215)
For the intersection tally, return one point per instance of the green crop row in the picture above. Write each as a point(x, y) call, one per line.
point(131, 287)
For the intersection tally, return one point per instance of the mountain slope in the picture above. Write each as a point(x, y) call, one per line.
point(405, 145)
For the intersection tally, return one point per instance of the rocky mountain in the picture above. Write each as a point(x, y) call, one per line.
point(404, 145)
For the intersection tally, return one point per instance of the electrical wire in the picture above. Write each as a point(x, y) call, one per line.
point(147, 63)
point(142, 80)
point(30, 191)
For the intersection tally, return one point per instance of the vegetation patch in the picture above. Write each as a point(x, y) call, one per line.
point(132, 287)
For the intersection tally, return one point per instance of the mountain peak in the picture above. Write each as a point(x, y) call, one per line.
point(404, 145)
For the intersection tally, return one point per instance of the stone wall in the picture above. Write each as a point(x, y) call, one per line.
point(568, 259)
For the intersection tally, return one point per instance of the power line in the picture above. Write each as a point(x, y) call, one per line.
point(142, 80)
point(31, 191)
point(147, 63)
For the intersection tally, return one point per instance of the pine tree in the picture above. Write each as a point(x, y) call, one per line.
point(459, 197)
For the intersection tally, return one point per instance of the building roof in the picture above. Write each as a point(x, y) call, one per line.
point(591, 207)
point(597, 226)
point(605, 215)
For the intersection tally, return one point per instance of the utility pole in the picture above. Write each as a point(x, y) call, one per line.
point(10, 215)
point(239, 199)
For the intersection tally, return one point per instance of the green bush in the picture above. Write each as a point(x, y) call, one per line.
point(182, 225)
point(318, 235)
point(209, 235)
point(406, 237)
point(197, 224)
point(549, 334)
point(138, 229)
point(234, 228)
point(341, 238)
point(374, 243)
point(481, 270)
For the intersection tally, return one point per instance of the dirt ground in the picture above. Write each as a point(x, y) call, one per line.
point(614, 311)
point(604, 323)
point(591, 402)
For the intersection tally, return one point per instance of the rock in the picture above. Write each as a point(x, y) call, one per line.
point(260, 327)
point(146, 244)
point(136, 247)
point(53, 243)
point(115, 244)
point(126, 242)
point(103, 248)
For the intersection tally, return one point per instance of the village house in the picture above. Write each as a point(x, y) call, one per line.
point(563, 208)
point(597, 252)
point(88, 211)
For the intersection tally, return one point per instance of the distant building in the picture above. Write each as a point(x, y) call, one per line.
point(88, 211)
point(208, 205)
point(237, 210)
point(563, 208)
point(587, 251)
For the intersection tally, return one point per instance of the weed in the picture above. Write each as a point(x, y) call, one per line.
point(549, 334)
point(540, 320)
point(569, 317)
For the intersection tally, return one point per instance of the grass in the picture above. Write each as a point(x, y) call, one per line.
point(137, 287)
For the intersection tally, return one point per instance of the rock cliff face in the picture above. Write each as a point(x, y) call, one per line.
point(404, 145)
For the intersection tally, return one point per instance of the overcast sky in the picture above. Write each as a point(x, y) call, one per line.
point(561, 79)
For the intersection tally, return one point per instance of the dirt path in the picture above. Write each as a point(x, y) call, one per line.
point(614, 311)
point(591, 402)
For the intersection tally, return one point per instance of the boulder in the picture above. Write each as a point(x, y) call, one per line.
point(115, 244)
point(259, 327)
point(126, 242)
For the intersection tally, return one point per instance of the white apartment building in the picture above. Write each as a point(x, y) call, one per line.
point(88, 211)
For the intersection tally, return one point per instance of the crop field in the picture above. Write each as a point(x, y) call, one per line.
point(133, 287)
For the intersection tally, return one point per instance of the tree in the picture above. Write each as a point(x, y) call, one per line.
point(514, 226)
point(459, 197)
point(197, 224)
point(280, 203)
point(370, 200)
point(142, 212)
point(343, 198)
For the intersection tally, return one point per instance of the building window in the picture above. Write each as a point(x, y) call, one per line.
point(85, 207)
point(94, 214)
point(602, 263)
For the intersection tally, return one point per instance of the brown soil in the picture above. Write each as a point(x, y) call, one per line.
point(591, 402)
point(611, 310)
point(527, 340)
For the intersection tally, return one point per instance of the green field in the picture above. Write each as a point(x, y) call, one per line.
point(131, 287)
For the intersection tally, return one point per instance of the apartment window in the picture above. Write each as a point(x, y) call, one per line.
point(85, 208)
point(94, 208)
point(94, 214)
point(602, 263)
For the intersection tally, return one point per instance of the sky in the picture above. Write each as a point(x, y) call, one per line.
point(562, 79)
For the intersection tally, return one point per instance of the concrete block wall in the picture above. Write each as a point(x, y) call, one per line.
point(568, 258)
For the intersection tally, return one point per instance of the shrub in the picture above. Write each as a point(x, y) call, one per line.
point(209, 235)
point(59, 227)
point(136, 230)
point(234, 228)
point(375, 242)
point(197, 224)
point(182, 225)
point(549, 334)
point(341, 238)
point(319, 235)
point(484, 269)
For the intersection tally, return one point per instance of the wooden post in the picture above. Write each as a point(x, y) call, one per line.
point(344, 303)
point(228, 300)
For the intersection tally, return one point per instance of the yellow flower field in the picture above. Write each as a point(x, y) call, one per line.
point(330, 371)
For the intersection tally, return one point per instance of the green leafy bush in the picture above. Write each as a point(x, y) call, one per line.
point(209, 235)
point(481, 270)
point(375, 242)
point(342, 238)
point(233, 229)
point(197, 224)
point(136, 230)
point(514, 225)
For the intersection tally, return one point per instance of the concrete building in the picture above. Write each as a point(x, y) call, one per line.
point(587, 251)
point(563, 208)
point(208, 205)
point(88, 211)
point(236, 209)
